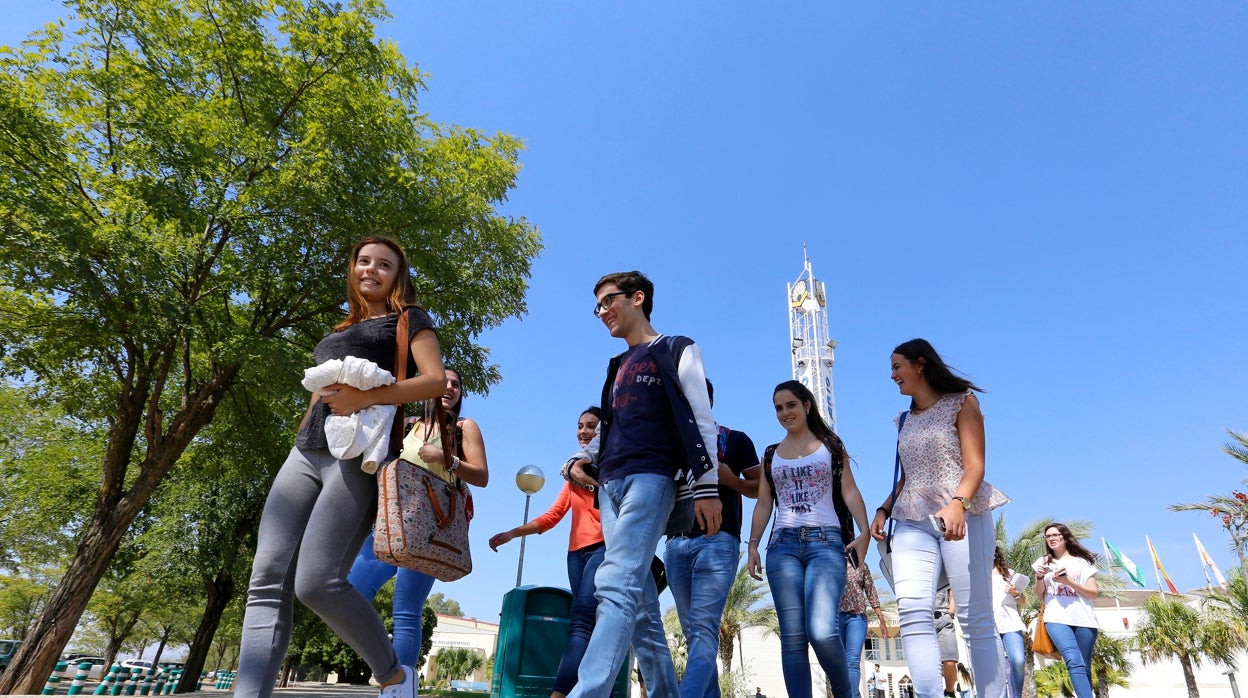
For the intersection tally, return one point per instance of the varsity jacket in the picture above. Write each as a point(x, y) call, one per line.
point(684, 381)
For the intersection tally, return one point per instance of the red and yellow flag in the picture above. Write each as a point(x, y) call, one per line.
point(1161, 570)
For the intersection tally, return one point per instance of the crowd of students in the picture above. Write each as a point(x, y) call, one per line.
point(653, 463)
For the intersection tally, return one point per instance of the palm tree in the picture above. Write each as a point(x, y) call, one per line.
point(1232, 510)
point(1171, 629)
point(1230, 604)
point(456, 663)
point(676, 641)
point(740, 613)
point(1111, 665)
point(1052, 681)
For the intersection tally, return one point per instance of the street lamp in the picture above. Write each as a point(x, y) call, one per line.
point(530, 480)
point(1231, 675)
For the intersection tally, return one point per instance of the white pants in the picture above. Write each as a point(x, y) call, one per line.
point(918, 555)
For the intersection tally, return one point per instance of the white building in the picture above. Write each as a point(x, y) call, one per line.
point(1117, 619)
point(461, 633)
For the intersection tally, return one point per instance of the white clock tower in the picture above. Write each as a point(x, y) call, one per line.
point(813, 348)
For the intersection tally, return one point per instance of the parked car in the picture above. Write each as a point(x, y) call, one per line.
point(95, 673)
point(8, 648)
point(137, 665)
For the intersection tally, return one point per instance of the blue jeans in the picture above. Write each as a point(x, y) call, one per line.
point(806, 571)
point(634, 513)
point(582, 566)
point(1013, 642)
point(700, 571)
point(854, 636)
point(1075, 643)
point(411, 588)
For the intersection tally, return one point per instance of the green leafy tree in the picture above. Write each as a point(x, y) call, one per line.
point(446, 606)
point(743, 610)
point(428, 623)
point(457, 663)
point(676, 642)
point(1231, 510)
point(1172, 629)
point(21, 599)
point(181, 183)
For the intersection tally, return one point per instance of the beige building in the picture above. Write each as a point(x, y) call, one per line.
point(461, 633)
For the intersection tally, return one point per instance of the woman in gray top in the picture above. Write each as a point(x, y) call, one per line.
point(320, 508)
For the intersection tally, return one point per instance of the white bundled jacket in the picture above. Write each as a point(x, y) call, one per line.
point(365, 432)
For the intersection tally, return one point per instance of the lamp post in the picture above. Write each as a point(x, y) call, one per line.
point(530, 480)
point(1231, 675)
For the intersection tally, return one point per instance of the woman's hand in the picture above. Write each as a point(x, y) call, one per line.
point(577, 472)
point(430, 454)
point(344, 400)
point(501, 539)
point(877, 525)
point(754, 564)
point(955, 520)
point(859, 545)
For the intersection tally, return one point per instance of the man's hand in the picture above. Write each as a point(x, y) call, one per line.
point(578, 474)
point(709, 513)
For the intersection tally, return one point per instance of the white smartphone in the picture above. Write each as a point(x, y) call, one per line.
point(938, 523)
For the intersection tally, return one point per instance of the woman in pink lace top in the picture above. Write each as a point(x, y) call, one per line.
point(942, 510)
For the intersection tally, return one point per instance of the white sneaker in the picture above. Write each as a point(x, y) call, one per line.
point(405, 688)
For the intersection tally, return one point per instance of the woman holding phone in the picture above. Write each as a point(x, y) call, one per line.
point(1066, 581)
point(942, 508)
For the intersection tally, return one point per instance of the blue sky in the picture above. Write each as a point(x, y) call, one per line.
point(1055, 195)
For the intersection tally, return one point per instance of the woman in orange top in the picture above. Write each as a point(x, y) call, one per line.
point(585, 550)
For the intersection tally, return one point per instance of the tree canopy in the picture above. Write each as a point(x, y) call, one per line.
point(180, 184)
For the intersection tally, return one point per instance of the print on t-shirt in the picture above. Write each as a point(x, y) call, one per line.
point(800, 487)
point(636, 374)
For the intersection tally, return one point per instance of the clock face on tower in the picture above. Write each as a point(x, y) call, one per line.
point(798, 294)
point(819, 294)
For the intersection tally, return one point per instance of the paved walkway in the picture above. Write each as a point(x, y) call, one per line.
point(307, 690)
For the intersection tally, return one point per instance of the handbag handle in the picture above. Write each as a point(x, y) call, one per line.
point(892, 494)
point(443, 519)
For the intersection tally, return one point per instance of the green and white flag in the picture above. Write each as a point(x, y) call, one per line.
point(1125, 563)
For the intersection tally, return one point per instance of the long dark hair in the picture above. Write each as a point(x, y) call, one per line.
point(999, 564)
point(402, 295)
point(592, 409)
point(1073, 546)
point(814, 420)
point(939, 375)
point(430, 409)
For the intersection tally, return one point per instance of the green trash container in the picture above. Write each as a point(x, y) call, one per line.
point(532, 634)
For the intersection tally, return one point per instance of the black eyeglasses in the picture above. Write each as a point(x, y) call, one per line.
point(606, 302)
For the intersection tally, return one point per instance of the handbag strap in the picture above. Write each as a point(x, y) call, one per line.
point(892, 494)
point(401, 342)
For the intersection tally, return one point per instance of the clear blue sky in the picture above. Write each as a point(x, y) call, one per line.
point(1055, 195)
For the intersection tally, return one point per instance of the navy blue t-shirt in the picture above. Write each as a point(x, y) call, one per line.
point(738, 453)
point(643, 436)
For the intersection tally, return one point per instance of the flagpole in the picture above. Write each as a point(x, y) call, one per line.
point(1203, 567)
point(1156, 570)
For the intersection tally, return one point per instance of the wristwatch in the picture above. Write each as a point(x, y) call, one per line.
point(966, 503)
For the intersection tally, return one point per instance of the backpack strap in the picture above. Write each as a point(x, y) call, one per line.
point(771, 483)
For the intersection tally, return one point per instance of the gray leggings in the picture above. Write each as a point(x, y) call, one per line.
point(317, 514)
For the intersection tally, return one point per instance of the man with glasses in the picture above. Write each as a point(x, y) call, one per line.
point(653, 456)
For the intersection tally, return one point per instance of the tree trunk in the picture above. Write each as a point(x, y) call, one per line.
point(1188, 676)
point(37, 657)
point(115, 509)
point(220, 590)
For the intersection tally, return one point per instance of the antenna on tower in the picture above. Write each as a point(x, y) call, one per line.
point(814, 350)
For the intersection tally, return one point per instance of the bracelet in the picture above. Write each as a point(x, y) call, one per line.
point(755, 541)
point(887, 512)
point(455, 463)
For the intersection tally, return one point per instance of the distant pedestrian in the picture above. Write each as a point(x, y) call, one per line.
point(947, 637)
point(859, 593)
point(878, 683)
point(1066, 581)
point(1007, 590)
